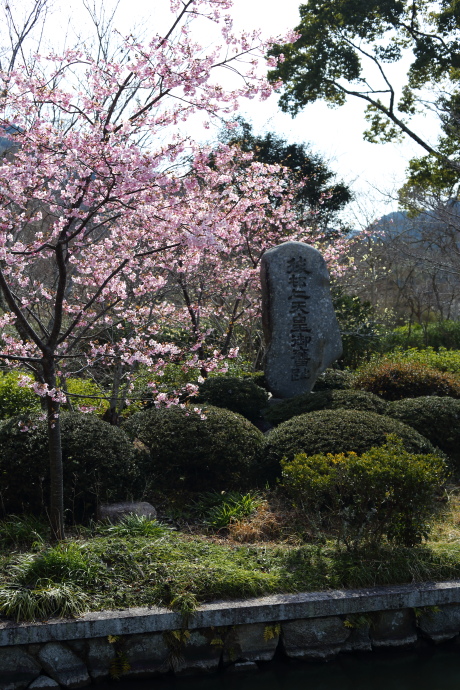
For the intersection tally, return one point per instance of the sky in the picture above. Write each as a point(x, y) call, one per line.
point(374, 171)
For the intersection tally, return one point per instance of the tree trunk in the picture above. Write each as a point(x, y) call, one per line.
point(56, 512)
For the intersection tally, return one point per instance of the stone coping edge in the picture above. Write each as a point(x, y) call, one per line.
point(269, 609)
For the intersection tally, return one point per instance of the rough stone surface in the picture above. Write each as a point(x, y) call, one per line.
point(147, 655)
point(243, 666)
point(440, 625)
point(65, 667)
point(17, 669)
point(100, 655)
point(317, 638)
point(359, 640)
point(300, 326)
point(43, 683)
point(394, 629)
point(197, 655)
point(114, 512)
point(253, 642)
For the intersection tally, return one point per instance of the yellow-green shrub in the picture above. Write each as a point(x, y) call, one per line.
point(15, 399)
point(84, 393)
point(401, 379)
point(385, 492)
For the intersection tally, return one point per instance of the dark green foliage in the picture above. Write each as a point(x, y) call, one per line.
point(98, 459)
point(358, 327)
point(191, 454)
point(236, 394)
point(436, 418)
point(20, 530)
point(398, 380)
point(333, 379)
point(385, 492)
point(336, 431)
point(14, 398)
point(324, 400)
point(318, 190)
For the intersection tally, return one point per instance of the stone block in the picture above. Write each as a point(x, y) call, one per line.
point(300, 327)
point(394, 629)
point(18, 669)
point(43, 683)
point(243, 667)
point(197, 655)
point(251, 642)
point(114, 512)
point(99, 657)
point(147, 655)
point(440, 625)
point(359, 640)
point(314, 638)
point(64, 666)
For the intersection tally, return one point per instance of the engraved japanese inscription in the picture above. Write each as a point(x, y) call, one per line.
point(300, 326)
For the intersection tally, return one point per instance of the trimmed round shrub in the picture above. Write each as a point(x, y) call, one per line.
point(436, 418)
point(336, 431)
point(384, 492)
point(14, 398)
point(324, 400)
point(333, 379)
point(191, 454)
point(99, 464)
point(238, 395)
point(398, 380)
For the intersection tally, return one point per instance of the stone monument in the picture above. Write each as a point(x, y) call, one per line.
point(301, 330)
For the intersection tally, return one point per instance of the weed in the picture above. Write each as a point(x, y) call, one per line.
point(271, 632)
point(64, 563)
point(136, 526)
point(233, 507)
point(44, 601)
point(22, 531)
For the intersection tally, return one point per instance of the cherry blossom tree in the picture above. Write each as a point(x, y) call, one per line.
point(92, 194)
point(98, 209)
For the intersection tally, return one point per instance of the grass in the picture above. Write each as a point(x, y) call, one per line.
point(138, 564)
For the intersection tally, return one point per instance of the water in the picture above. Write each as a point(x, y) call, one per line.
point(427, 669)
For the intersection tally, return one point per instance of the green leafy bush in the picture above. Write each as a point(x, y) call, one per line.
point(14, 398)
point(84, 393)
point(384, 492)
point(324, 400)
point(437, 335)
point(436, 418)
point(441, 360)
point(99, 464)
point(135, 526)
point(398, 380)
point(333, 379)
point(232, 506)
point(191, 454)
point(235, 394)
point(336, 431)
point(64, 563)
point(358, 327)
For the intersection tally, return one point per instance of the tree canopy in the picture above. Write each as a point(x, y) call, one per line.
point(344, 48)
point(319, 196)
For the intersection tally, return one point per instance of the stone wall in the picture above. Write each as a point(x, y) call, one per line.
point(145, 643)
